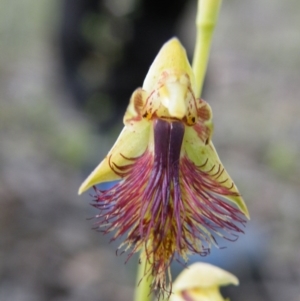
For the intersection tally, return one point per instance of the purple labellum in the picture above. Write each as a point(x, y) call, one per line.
point(168, 204)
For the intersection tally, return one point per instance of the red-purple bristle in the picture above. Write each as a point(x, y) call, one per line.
point(168, 204)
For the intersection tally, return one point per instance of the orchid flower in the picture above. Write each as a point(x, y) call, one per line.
point(201, 282)
point(173, 196)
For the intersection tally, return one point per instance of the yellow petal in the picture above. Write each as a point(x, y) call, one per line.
point(168, 87)
point(132, 142)
point(199, 153)
point(171, 56)
point(203, 275)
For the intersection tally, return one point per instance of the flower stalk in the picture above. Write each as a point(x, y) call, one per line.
point(206, 20)
point(143, 282)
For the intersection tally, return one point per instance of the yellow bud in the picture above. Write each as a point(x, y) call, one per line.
point(201, 282)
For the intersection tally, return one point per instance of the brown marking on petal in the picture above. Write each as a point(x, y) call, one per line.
point(203, 110)
point(186, 297)
point(135, 108)
point(217, 172)
point(224, 181)
point(148, 109)
point(203, 132)
point(220, 173)
point(204, 164)
point(138, 102)
point(191, 117)
point(212, 168)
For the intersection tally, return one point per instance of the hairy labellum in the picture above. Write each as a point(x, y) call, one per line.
point(167, 203)
point(173, 195)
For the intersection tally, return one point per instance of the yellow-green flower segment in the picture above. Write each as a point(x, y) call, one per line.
point(201, 282)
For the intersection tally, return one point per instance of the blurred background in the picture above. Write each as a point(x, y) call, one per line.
point(67, 69)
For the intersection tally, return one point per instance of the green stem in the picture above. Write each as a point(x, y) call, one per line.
point(143, 283)
point(206, 20)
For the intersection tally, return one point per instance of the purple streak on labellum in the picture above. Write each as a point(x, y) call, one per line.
point(163, 185)
point(168, 138)
point(186, 297)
